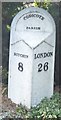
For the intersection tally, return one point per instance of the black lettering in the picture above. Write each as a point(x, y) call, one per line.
point(20, 67)
point(38, 28)
point(41, 55)
point(20, 55)
point(26, 27)
point(42, 66)
point(35, 56)
point(33, 15)
point(51, 54)
point(45, 54)
point(31, 27)
point(14, 53)
point(46, 66)
point(39, 67)
point(48, 54)
point(38, 56)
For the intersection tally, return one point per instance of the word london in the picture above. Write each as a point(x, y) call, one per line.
point(43, 55)
point(39, 55)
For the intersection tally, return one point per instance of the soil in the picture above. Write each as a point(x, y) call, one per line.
point(6, 105)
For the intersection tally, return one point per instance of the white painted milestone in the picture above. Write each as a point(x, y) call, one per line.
point(32, 57)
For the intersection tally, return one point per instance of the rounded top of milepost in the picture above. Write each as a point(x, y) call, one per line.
point(32, 24)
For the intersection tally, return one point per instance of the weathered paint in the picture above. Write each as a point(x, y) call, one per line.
point(32, 57)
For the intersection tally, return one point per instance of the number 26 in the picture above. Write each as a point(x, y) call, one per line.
point(41, 66)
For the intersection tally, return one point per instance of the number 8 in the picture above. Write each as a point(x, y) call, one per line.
point(20, 66)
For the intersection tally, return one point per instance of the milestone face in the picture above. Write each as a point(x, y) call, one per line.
point(32, 54)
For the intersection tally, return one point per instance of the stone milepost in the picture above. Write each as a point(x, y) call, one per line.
point(31, 57)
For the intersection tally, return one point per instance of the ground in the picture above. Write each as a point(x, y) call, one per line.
point(6, 104)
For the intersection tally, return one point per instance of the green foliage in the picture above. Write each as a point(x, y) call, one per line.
point(12, 12)
point(47, 109)
point(46, 4)
point(8, 27)
point(36, 3)
point(10, 9)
